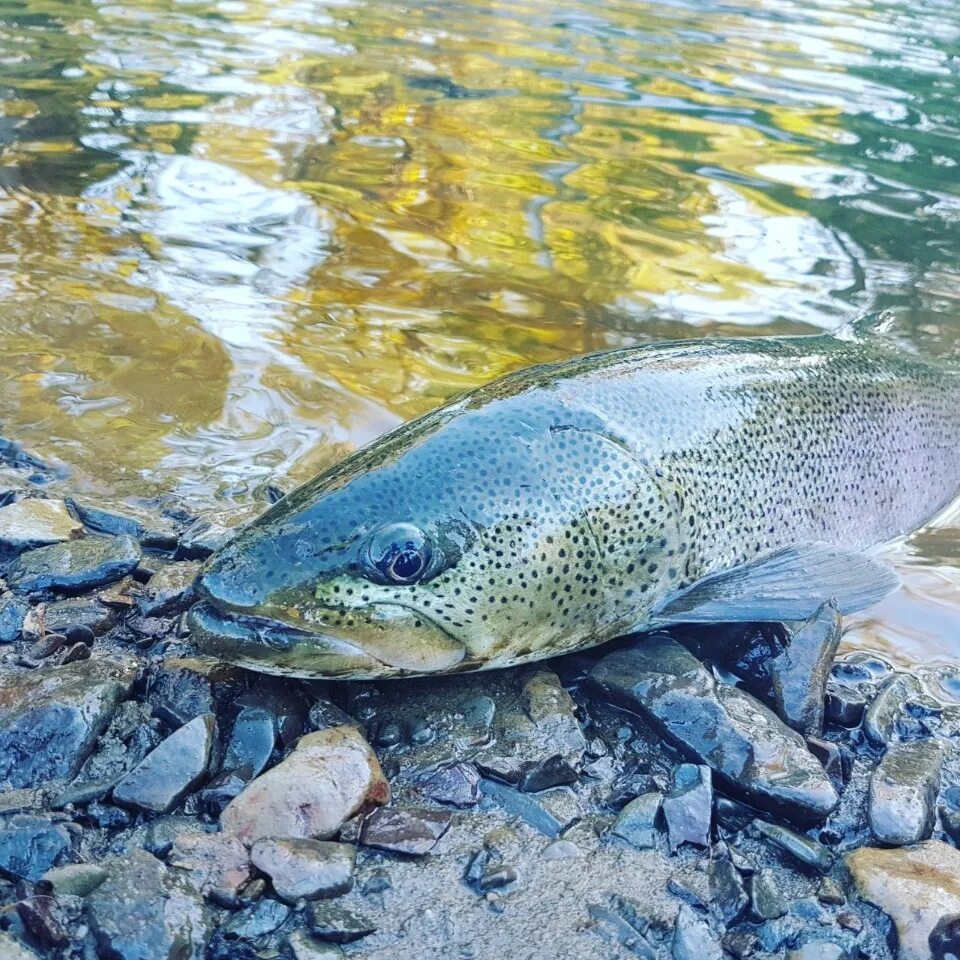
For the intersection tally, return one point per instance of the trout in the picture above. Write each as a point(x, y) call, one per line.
point(564, 505)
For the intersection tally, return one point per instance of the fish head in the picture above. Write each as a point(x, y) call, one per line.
point(423, 553)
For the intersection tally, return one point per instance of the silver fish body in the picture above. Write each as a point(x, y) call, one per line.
point(571, 503)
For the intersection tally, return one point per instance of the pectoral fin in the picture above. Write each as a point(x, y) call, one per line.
point(787, 584)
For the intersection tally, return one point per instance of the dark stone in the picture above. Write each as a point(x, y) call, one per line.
point(831, 893)
point(903, 793)
point(497, 877)
point(201, 538)
point(880, 720)
point(810, 853)
point(12, 613)
point(76, 565)
point(728, 899)
point(766, 900)
point(751, 651)
point(688, 807)
point(51, 719)
point(252, 742)
point(142, 911)
point(170, 590)
point(30, 846)
point(255, 922)
point(748, 747)
point(45, 920)
point(636, 822)
point(220, 791)
point(828, 753)
point(324, 714)
point(945, 938)
point(106, 816)
point(553, 771)
point(844, 707)
point(457, 784)
point(285, 701)
point(524, 806)
point(337, 924)
point(410, 830)
point(390, 734)
point(161, 780)
point(178, 692)
point(800, 672)
point(151, 529)
point(84, 614)
point(505, 769)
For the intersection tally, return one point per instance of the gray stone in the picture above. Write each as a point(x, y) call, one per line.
point(636, 822)
point(29, 846)
point(728, 899)
point(693, 939)
point(74, 566)
point(256, 921)
point(305, 869)
point(412, 830)
point(217, 864)
point(75, 879)
point(903, 793)
point(13, 949)
point(66, 615)
point(800, 672)
point(143, 911)
point(337, 924)
point(161, 780)
point(252, 742)
point(818, 950)
point(27, 524)
point(879, 722)
point(688, 807)
point(150, 528)
point(811, 853)
point(746, 745)
point(13, 611)
point(766, 900)
point(169, 590)
point(945, 938)
point(455, 784)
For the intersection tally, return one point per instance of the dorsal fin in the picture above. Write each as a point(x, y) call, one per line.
point(877, 323)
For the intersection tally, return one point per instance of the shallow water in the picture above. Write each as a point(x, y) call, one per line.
point(238, 239)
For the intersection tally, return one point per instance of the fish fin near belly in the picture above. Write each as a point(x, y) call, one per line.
point(786, 584)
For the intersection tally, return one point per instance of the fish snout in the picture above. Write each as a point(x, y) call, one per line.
point(232, 581)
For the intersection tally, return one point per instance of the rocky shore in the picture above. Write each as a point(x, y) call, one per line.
point(709, 793)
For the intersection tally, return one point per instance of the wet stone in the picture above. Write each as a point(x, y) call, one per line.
point(255, 922)
point(828, 753)
point(800, 672)
point(150, 528)
point(161, 780)
point(180, 689)
point(766, 900)
point(324, 781)
point(217, 864)
point(337, 924)
point(552, 771)
point(305, 869)
point(13, 611)
point(688, 807)
point(77, 565)
point(324, 714)
point(887, 709)
point(28, 524)
point(142, 911)
point(252, 742)
point(636, 822)
point(220, 790)
point(170, 590)
point(903, 792)
point(844, 707)
point(747, 746)
point(804, 850)
point(830, 892)
point(457, 785)
point(728, 899)
point(45, 920)
point(29, 846)
point(75, 879)
point(944, 939)
point(201, 538)
point(413, 831)
point(693, 939)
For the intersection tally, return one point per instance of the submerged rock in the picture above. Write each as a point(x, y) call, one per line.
point(325, 780)
point(747, 746)
point(150, 528)
point(414, 831)
point(688, 807)
point(161, 780)
point(801, 671)
point(305, 869)
point(915, 886)
point(28, 524)
point(903, 792)
point(78, 565)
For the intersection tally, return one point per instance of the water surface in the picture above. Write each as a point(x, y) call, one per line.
point(238, 239)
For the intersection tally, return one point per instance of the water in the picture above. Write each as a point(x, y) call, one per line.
point(238, 239)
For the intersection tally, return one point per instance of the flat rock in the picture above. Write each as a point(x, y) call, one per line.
point(29, 846)
point(62, 616)
point(50, 719)
point(903, 792)
point(254, 922)
point(77, 565)
point(799, 674)
point(766, 899)
point(324, 781)
point(166, 774)
point(915, 886)
point(143, 911)
point(338, 924)
point(169, 590)
point(300, 868)
point(455, 784)
point(27, 524)
point(688, 807)
point(217, 864)
point(150, 528)
point(746, 745)
point(252, 742)
point(412, 830)
point(636, 822)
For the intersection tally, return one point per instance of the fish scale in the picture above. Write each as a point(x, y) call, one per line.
point(570, 503)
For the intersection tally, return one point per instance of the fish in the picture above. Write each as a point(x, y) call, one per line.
point(568, 504)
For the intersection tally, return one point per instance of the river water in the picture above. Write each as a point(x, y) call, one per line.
point(238, 239)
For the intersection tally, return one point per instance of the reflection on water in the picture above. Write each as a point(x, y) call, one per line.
point(238, 239)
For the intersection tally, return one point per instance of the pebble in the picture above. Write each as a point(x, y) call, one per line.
point(746, 745)
point(51, 719)
point(903, 793)
point(162, 779)
point(13, 611)
point(73, 566)
point(799, 674)
point(411, 830)
point(324, 781)
point(915, 886)
point(28, 524)
point(338, 924)
point(496, 878)
point(143, 911)
point(522, 805)
point(693, 939)
point(455, 784)
point(44, 918)
point(305, 869)
point(811, 853)
point(170, 590)
point(830, 892)
point(766, 900)
point(636, 822)
point(75, 879)
point(30, 845)
point(688, 807)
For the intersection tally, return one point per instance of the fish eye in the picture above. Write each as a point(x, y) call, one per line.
point(398, 553)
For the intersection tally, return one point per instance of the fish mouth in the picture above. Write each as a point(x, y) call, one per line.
point(269, 646)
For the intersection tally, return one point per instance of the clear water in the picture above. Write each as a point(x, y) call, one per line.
point(238, 239)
